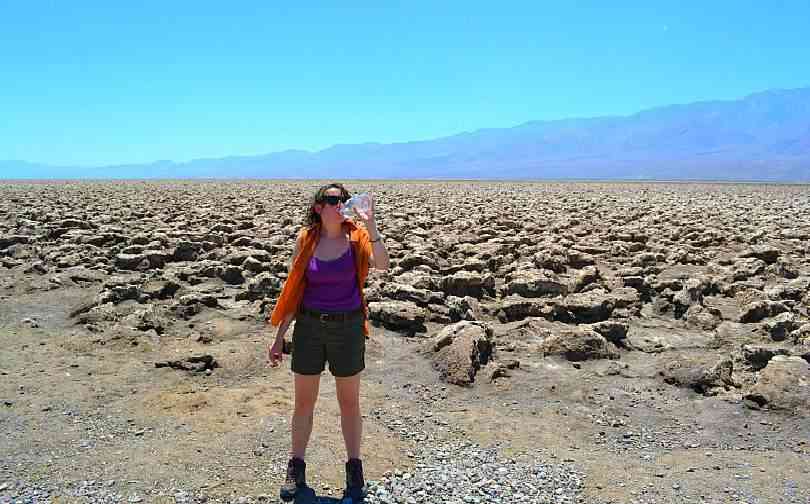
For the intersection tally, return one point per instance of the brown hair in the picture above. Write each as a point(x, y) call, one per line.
point(312, 216)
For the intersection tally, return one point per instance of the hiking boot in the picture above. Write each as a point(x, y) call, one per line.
point(355, 484)
point(296, 478)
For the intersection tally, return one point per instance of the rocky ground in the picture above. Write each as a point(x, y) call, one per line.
point(533, 342)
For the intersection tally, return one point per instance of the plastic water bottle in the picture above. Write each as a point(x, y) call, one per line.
point(361, 202)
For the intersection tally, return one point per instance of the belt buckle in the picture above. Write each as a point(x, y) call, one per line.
point(323, 317)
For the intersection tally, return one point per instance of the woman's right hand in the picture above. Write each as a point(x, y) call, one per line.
point(275, 352)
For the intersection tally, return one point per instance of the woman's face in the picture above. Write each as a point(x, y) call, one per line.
point(330, 213)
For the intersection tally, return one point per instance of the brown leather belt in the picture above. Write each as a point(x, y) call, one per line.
point(324, 316)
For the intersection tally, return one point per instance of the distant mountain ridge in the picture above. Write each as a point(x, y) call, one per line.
point(764, 136)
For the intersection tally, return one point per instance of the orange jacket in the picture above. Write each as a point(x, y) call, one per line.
point(292, 293)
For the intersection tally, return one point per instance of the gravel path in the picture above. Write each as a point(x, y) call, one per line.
point(458, 473)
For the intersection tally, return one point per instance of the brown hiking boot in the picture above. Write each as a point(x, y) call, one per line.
point(296, 478)
point(355, 484)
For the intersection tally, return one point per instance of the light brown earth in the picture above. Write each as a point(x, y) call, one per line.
point(82, 399)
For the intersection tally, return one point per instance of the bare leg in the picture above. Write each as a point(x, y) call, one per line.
point(348, 395)
point(306, 394)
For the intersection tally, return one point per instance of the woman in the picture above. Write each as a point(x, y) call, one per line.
point(324, 294)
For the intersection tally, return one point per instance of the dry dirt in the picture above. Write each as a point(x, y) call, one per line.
point(653, 337)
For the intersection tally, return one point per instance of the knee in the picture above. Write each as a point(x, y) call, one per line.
point(304, 409)
point(349, 406)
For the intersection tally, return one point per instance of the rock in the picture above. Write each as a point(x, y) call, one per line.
point(199, 297)
point(647, 258)
point(30, 322)
point(466, 283)
point(117, 292)
point(672, 278)
point(554, 260)
point(9, 240)
point(514, 308)
point(793, 290)
point(222, 228)
point(66, 261)
point(758, 356)
point(106, 313)
point(528, 332)
point(632, 271)
point(702, 317)
point(419, 280)
point(460, 350)
point(659, 338)
point(578, 259)
point(439, 314)
point(186, 251)
point(207, 268)
point(254, 265)
point(586, 307)
point(82, 276)
point(131, 261)
point(780, 326)
point(186, 311)
point(157, 258)
point(411, 261)
point(638, 283)
point(37, 267)
point(758, 310)
point(766, 253)
point(238, 258)
point(402, 316)
point(579, 344)
point(151, 318)
point(802, 351)
point(584, 277)
point(613, 331)
point(404, 292)
point(690, 295)
point(534, 283)
point(197, 363)
point(494, 370)
point(466, 308)
point(702, 373)
point(474, 264)
point(784, 268)
point(82, 308)
point(232, 275)
point(735, 334)
point(160, 289)
point(133, 249)
point(632, 236)
point(76, 224)
point(784, 384)
point(264, 285)
point(801, 336)
point(748, 294)
point(625, 297)
point(140, 239)
point(746, 268)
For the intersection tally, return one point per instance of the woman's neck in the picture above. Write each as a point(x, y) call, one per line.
point(333, 231)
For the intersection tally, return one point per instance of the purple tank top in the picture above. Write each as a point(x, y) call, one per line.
point(332, 285)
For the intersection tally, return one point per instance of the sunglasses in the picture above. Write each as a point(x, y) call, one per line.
point(333, 200)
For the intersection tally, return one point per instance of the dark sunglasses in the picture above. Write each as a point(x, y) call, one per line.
point(333, 200)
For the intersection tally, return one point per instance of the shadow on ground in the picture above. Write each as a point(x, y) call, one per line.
point(307, 495)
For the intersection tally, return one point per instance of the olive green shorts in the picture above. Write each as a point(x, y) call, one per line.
point(340, 343)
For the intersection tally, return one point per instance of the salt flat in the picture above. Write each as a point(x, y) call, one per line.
point(563, 342)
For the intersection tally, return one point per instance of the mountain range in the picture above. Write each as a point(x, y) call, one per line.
point(762, 137)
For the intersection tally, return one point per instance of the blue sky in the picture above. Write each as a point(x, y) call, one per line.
point(94, 83)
